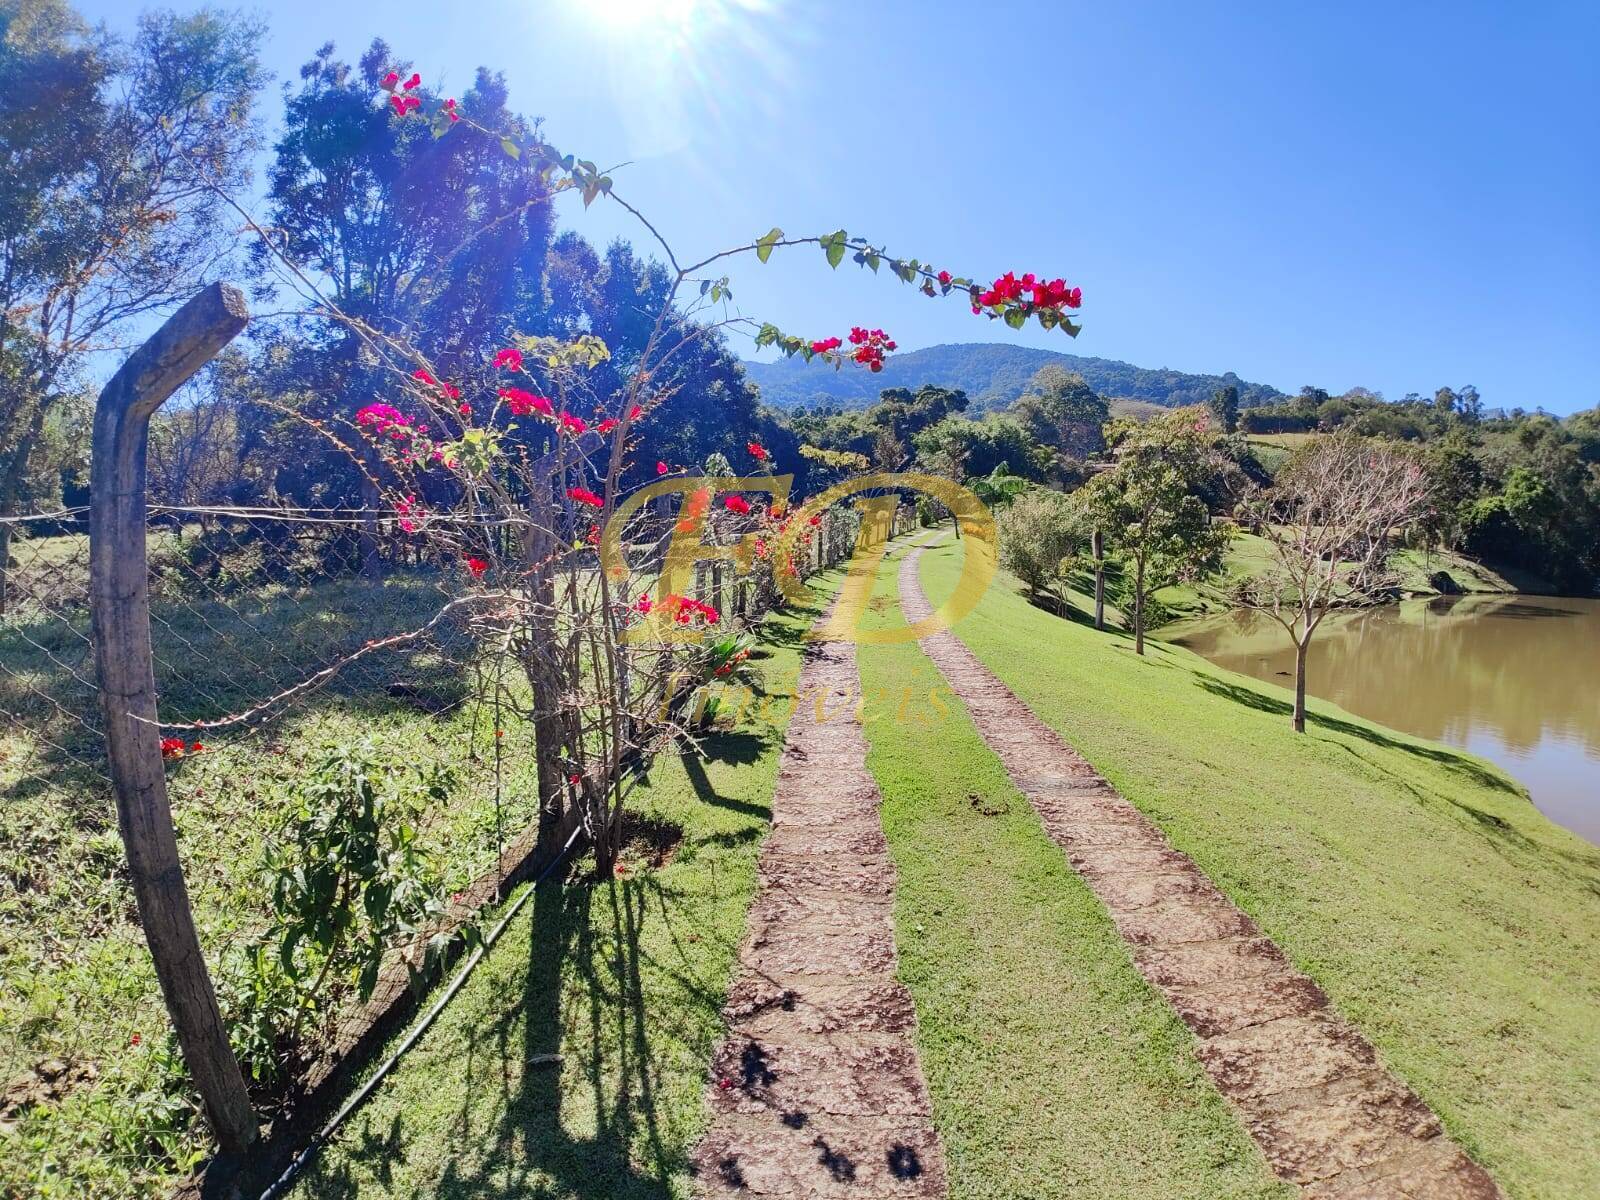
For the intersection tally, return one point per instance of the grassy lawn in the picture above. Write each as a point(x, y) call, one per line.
point(94, 1099)
point(1443, 914)
point(625, 980)
point(1249, 555)
point(1055, 1070)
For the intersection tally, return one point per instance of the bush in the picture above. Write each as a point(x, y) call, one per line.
point(1038, 531)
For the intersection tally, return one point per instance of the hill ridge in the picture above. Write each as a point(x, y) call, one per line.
point(992, 373)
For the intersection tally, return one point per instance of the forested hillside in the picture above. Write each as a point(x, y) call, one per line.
point(992, 375)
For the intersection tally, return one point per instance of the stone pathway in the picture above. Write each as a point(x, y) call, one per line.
point(1307, 1086)
point(817, 1091)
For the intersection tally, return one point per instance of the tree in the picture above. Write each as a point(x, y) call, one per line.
point(1224, 405)
point(1331, 521)
point(110, 209)
point(1038, 531)
point(1148, 510)
point(1063, 411)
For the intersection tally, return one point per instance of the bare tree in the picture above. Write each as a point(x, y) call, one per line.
point(1331, 520)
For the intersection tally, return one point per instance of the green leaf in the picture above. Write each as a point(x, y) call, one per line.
point(1071, 329)
point(1016, 318)
point(765, 244)
point(510, 147)
point(872, 261)
point(835, 252)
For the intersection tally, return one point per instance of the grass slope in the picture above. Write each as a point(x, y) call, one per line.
point(625, 980)
point(1444, 915)
point(1055, 1070)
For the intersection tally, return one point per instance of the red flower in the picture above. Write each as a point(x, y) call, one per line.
point(465, 410)
point(644, 604)
point(571, 424)
point(724, 1083)
point(391, 81)
point(509, 357)
point(499, 733)
point(574, 780)
point(607, 425)
point(736, 504)
point(135, 1040)
point(944, 278)
point(450, 107)
point(825, 345)
point(757, 451)
point(524, 402)
point(422, 375)
point(172, 747)
point(404, 104)
point(634, 413)
point(585, 496)
point(661, 468)
point(414, 81)
point(477, 566)
point(197, 748)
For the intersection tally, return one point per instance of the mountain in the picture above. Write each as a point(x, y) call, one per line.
point(993, 374)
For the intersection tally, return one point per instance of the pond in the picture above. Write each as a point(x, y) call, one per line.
point(1515, 679)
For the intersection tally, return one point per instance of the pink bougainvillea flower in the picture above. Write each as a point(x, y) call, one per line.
point(574, 780)
point(571, 424)
point(464, 409)
point(390, 81)
point(757, 451)
point(423, 376)
point(644, 604)
point(450, 110)
point(414, 82)
point(944, 278)
point(585, 496)
point(661, 468)
point(477, 566)
point(635, 412)
point(172, 747)
point(736, 504)
point(524, 402)
point(826, 345)
point(510, 357)
point(607, 425)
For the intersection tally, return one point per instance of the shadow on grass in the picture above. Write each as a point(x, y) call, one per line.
point(532, 1150)
point(1465, 767)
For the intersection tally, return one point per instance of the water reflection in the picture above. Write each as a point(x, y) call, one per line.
point(1514, 679)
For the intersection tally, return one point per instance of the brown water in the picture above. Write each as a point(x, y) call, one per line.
point(1515, 679)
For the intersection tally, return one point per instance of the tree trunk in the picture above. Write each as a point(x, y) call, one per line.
point(120, 612)
point(1138, 607)
point(5, 561)
point(1097, 543)
point(371, 556)
point(10, 494)
point(1300, 647)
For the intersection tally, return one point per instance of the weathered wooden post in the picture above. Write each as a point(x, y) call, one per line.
point(120, 611)
point(1097, 546)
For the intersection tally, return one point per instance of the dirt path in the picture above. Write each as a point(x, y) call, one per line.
point(817, 1091)
point(1307, 1085)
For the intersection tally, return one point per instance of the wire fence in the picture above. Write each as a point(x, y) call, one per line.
point(276, 635)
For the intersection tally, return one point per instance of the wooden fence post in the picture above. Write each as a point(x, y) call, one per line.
point(1098, 549)
point(119, 580)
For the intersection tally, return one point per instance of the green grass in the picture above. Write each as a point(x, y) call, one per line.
point(76, 981)
point(624, 979)
point(1455, 925)
point(1055, 1070)
point(1250, 555)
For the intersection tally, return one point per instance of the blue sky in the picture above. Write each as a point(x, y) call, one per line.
point(1396, 195)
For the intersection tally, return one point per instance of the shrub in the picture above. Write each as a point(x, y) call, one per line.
point(1038, 531)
